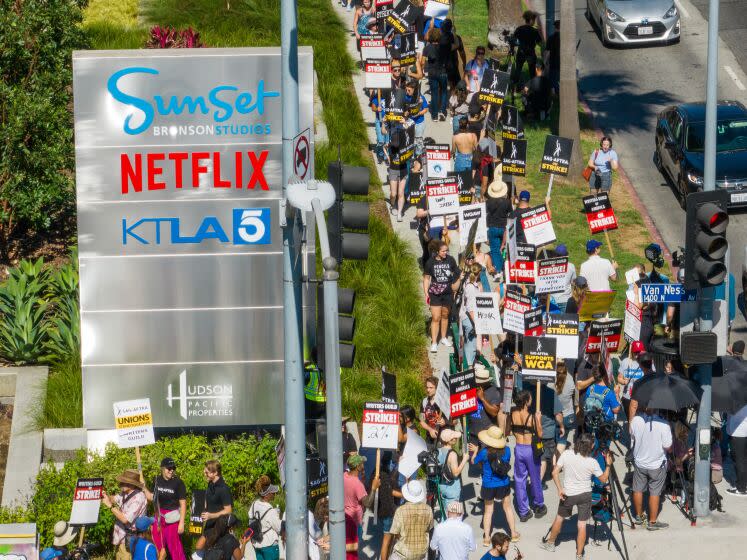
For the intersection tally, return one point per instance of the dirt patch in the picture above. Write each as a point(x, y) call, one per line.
point(53, 246)
point(6, 418)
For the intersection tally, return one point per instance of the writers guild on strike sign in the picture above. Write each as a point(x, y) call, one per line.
point(514, 307)
point(610, 330)
point(537, 226)
point(551, 275)
point(380, 425)
point(463, 393)
point(86, 501)
point(533, 322)
point(443, 196)
point(539, 359)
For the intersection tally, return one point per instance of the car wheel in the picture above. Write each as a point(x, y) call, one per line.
point(682, 193)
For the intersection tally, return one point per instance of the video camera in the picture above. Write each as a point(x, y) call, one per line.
point(604, 431)
point(429, 461)
point(84, 552)
point(509, 39)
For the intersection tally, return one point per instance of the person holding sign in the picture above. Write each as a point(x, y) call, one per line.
point(597, 271)
point(418, 107)
point(498, 208)
point(450, 481)
point(602, 161)
point(126, 507)
point(441, 277)
point(218, 501)
point(169, 496)
point(495, 459)
point(526, 427)
point(363, 14)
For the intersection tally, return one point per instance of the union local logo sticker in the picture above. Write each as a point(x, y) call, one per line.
point(198, 400)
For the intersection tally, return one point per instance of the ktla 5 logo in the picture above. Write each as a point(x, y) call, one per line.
point(251, 226)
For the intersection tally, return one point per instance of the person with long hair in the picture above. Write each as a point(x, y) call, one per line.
point(472, 287)
point(525, 426)
point(441, 278)
point(566, 390)
point(221, 536)
point(267, 548)
point(579, 289)
point(575, 490)
point(169, 497)
point(363, 14)
point(495, 459)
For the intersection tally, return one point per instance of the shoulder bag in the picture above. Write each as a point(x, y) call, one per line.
point(588, 170)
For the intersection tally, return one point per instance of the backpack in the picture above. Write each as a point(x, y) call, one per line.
point(255, 526)
point(595, 401)
point(447, 477)
point(499, 467)
point(215, 552)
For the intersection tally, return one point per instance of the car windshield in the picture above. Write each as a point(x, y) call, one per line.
point(730, 135)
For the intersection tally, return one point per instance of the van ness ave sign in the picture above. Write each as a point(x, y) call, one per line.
point(178, 178)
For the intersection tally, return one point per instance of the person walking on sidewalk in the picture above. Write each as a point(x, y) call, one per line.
point(410, 527)
point(434, 61)
point(463, 146)
point(525, 426)
point(498, 208)
point(597, 271)
point(602, 160)
point(453, 538)
point(441, 278)
point(579, 467)
point(495, 459)
point(736, 427)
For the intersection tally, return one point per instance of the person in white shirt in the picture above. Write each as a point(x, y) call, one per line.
point(579, 467)
point(652, 439)
point(561, 298)
point(267, 548)
point(736, 427)
point(472, 287)
point(453, 539)
point(597, 271)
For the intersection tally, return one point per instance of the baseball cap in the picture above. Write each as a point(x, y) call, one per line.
point(561, 250)
point(143, 523)
point(524, 195)
point(355, 461)
point(638, 347)
point(455, 507)
point(447, 435)
point(592, 244)
point(737, 347)
point(168, 463)
point(581, 282)
point(462, 85)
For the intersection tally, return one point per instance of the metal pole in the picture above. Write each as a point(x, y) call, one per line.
point(549, 18)
point(703, 453)
point(295, 446)
point(334, 391)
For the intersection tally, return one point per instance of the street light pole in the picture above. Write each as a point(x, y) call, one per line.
point(705, 324)
point(295, 445)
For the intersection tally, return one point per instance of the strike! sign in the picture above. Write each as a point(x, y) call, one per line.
point(415, 187)
point(443, 196)
point(402, 16)
point(522, 269)
point(563, 327)
point(539, 359)
point(487, 314)
point(463, 393)
point(556, 158)
point(633, 320)
point(373, 47)
point(494, 86)
point(134, 423)
point(86, 501)
point(610, 330)
point(465, 185)
point(537, 226)
point(380, 425)
point(533, 322)
point(514, 157)
point(514, 307)
point(550, 277)
point(378, 73)
point(438, 157)
point(511, 125)
point(406, 51)
point(599, 213)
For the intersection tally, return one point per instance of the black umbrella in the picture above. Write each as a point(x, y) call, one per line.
point(729, 391)
point(665, 392)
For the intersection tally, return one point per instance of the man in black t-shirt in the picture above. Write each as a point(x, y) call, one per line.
point(537, 93)
point(553, 57)
point(169, 496)
point(528, 37)
point(218, 500)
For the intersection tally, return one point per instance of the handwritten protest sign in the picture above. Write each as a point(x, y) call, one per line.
point(380, 425)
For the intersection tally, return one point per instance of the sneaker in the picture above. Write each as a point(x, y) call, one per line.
point(498, 277)
point(400, 216)
point(527, 517)
point(446, 342)
point(656, 525)
point(540, 511)
point(547, 545)
point(579, 556)
point(442, 117)
point(639, 520)
point(736, 492)
point(434, 347)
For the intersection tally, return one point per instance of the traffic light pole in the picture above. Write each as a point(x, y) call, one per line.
point(295, 446)
point(703, 438)
point(334, 390)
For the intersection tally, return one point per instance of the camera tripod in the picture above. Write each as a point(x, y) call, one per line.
point(615, 496)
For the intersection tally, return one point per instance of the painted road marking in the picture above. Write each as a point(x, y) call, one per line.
point(733, 76)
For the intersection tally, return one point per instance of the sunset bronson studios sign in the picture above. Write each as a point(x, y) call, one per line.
point(178, 173)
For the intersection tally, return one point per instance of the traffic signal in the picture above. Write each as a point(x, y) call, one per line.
point(705, 239)
point(345, 304)
point(350, 214)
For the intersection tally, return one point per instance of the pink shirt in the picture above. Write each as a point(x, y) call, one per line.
point(354, 493)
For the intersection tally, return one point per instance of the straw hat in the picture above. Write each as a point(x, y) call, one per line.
point(130, 477)
point(497, 189)
point(414, 492)
point(64, 533)
point(493, 437)
point(482, 375)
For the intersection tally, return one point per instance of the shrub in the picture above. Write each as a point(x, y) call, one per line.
point(243, 459)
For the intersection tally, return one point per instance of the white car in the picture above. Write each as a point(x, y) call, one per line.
point(630, 22)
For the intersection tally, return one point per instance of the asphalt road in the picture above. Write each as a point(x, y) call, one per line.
point(626, 88)
point(732, 25)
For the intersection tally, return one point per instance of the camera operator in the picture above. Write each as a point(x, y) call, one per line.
point(528, 37)
point(579, 468)
point(652, 439)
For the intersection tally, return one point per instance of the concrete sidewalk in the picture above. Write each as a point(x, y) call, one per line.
point(721, 533)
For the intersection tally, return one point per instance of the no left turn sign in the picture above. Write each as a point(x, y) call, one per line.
point(302, 155)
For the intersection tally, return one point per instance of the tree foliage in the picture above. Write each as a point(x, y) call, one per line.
point(37, 38)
